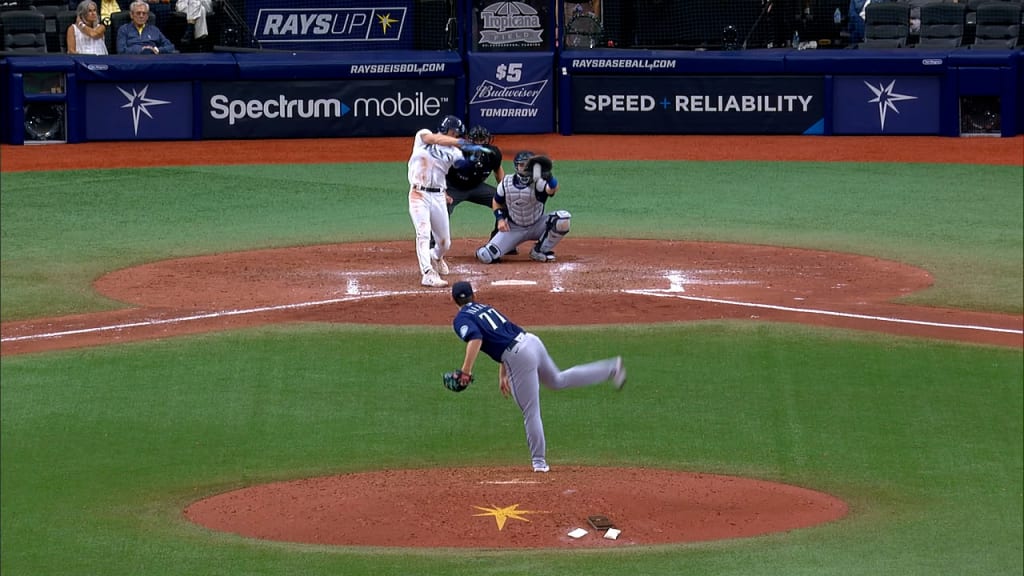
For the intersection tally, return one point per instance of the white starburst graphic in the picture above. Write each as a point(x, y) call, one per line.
point(885, 97)
point(139, 104)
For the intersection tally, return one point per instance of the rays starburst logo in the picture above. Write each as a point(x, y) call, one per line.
point(886, 97)
point(139, 104)
point(502, 515)
point(386, 21)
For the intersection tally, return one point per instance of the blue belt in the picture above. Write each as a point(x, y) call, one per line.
point(515, 341)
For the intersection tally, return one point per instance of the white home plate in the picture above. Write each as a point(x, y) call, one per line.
point(514, 283)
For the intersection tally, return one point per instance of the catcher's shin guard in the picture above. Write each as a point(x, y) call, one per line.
point(557, 227)
point(488, 253)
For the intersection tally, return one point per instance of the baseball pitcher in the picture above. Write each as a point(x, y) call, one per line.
point(518, 205)
point(524, 365)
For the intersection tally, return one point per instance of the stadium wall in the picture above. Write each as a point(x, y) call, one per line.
point(390, 71)
point(62, 98)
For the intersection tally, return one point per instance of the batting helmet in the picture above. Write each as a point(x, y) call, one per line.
point(451, 122)
point(520, 162)
point(480, 135)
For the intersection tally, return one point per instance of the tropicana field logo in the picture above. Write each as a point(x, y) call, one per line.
point(510, 24)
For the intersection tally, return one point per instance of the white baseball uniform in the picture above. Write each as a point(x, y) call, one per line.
point(428, 206)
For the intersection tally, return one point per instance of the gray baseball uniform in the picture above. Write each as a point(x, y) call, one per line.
point(527, 364)
point(523, 200)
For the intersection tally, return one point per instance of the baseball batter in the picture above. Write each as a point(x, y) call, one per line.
point(518, 205)
point(524, 364)
point(433, 154)
point(469, 183)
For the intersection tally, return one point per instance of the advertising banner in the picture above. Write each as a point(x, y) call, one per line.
point(138, 111)
point(886, 105)
point(516, 25)
point(331, 24)
point(324, 109)
point(512, 92)
point(697, 105)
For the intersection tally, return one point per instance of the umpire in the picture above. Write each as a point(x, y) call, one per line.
point(470, 181)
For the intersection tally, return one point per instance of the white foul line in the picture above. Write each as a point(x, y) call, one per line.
point(206, 316)
point(659, 293)
point(665, 294)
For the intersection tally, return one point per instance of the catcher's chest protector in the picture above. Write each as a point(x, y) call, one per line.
point(523, 207)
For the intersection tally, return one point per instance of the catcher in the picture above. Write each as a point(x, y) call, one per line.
point(524, 365)
point(518, 205)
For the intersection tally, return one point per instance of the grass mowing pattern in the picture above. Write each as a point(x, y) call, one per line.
point(103, 447)
point(963, 223)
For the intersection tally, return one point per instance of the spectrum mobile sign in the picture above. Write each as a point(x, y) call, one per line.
point(324, 109)
point(333, 28)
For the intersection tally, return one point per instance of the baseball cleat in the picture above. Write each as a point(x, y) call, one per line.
point(433, 280)
point(618, 374)
point(440, 266)
point(541, 468)
point(542, 256)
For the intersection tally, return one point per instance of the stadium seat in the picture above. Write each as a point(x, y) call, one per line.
point(65, 18)
point(942, 25)
point(116, 20)
point(24, 31)
point(886, 25)
point(997, 25)
point(49, 12)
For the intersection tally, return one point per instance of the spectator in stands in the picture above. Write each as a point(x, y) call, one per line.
point(195, 12)
point(107, 8)
point(141, 37)
point(87, 35)
point(856, 20)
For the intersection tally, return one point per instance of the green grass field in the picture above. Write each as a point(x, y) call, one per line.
point(103, 447)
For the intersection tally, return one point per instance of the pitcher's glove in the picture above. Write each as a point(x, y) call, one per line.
point(457, 380)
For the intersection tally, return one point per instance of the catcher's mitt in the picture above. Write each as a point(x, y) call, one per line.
point(457, 380)
point(543, 161)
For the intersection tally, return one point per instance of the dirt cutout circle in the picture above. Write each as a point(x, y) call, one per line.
point(514, 508)
point(594, 281)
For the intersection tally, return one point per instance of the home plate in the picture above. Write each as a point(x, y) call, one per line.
point(514, 283)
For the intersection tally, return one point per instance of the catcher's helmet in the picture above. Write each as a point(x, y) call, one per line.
point(520, 162)
point(480, 135)
point(451, 122)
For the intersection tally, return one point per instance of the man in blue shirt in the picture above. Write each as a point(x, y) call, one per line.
point(524, 363)
point(141, 37)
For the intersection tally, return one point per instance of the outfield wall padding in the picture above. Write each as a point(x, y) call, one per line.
point(396, 92)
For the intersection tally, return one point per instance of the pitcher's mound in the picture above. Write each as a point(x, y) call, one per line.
point(514, 508)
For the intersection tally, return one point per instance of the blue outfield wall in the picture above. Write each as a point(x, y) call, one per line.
point(785, 91)
point(240, 95)
point(396, 92)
